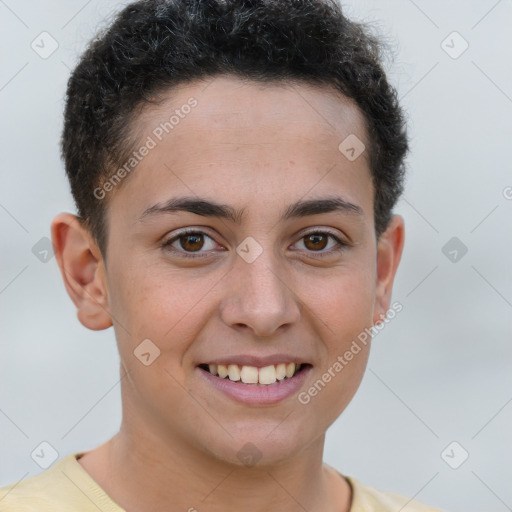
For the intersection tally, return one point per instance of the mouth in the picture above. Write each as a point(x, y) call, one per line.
point(253, 375)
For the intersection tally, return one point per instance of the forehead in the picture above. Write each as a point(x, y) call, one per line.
point(242, 139)
point(228, 103)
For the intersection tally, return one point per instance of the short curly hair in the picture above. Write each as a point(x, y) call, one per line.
point(153, 45)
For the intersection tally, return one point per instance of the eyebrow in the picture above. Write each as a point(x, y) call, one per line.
point(207, 208)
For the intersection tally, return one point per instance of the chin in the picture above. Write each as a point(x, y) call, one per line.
point(259, 446)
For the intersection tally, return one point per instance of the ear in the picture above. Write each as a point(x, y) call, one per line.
point(389, 252)
point(82, 269)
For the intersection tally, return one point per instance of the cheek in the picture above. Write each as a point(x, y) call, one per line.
point(345, 304)
point(167, 307)
point(168, 311)
point(345, 309)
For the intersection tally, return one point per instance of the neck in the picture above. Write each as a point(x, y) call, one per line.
point(142, 473)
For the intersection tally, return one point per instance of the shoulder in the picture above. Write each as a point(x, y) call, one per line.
point(368, 499)
point(63, 487)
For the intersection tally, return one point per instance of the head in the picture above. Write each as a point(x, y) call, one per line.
point(269, 132)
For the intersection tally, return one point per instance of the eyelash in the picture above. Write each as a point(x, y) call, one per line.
point(167, 244)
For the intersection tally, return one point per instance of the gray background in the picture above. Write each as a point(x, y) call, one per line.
point(438, 373)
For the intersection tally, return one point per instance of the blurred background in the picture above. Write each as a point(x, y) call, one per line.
point(433, 416)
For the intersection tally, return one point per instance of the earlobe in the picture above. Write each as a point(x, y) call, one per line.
point(389, 252)
point(82, 270)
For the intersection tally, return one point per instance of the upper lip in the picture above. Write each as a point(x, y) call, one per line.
point(253, 360)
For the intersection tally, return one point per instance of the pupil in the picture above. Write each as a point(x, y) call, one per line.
point(196, 239)
point(315, 238)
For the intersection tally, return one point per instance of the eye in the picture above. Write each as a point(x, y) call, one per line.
point(317, 241)
point(189, 242)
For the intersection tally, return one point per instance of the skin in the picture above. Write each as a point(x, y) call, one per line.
point(257, 147)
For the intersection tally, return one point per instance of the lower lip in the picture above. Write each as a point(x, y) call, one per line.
point(254, 394)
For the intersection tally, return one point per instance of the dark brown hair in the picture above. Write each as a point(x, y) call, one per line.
point(153, 45)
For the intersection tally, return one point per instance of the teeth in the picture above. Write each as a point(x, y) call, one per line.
point(280, 371)
point(253, 375)
point(249, 375)
point(268, 374)
point(222, 370)
point(290, 369)
point(234, 372)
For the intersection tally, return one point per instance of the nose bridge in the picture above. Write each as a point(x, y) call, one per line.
point(259, 296)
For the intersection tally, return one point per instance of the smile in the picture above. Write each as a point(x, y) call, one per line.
point(265, 376)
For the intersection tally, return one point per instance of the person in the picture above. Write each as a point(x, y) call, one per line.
point(235, 164)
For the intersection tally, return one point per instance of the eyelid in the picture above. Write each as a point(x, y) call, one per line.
point(166, 244)
point(342, 244)
point(340, 236)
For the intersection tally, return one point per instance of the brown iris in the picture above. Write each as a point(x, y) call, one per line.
point(315, 238)
point(194, 242)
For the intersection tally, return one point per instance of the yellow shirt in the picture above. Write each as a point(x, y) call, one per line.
point(67, 487)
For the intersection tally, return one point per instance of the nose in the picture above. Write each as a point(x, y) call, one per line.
point(260, 297)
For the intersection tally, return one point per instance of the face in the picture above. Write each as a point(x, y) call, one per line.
point(282, 267)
